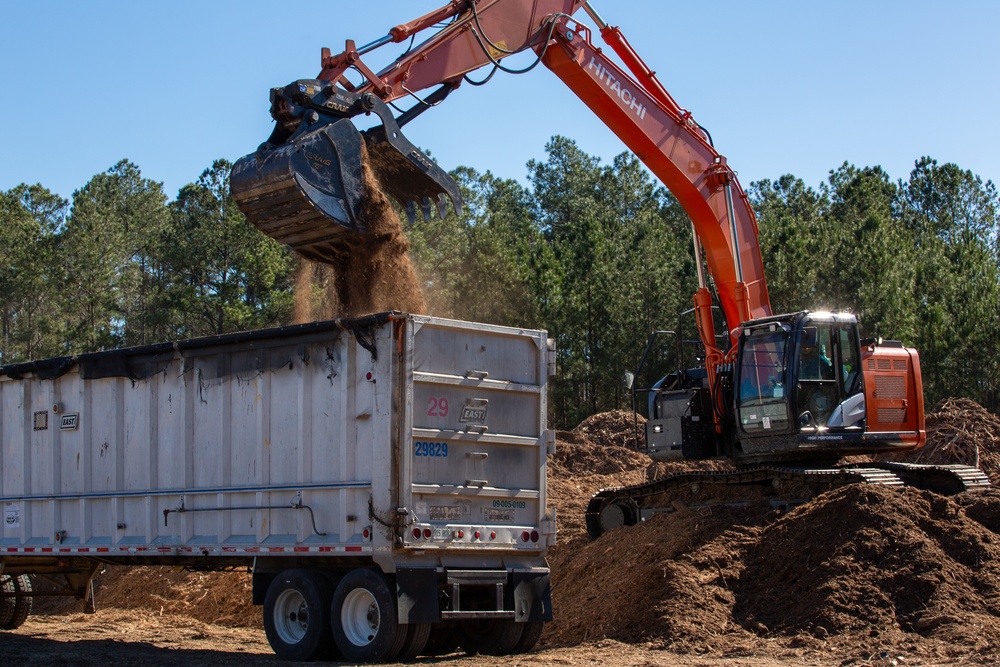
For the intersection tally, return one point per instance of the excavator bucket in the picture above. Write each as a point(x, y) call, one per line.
point(307, 193)
point(308, 190)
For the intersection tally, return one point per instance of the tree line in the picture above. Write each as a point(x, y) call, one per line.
point(598, 254)
point(122, 266)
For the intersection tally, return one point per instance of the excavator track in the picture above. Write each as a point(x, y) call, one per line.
point(782, 487)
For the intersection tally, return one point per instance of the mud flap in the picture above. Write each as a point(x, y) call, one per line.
point(417, 595)
point(532, 596)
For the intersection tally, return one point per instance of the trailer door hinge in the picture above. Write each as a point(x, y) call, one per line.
point(550, 358)
point(549, 437)
point(549, 525)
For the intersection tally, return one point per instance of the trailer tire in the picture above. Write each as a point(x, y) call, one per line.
point(6, 603)
point(493, 636)
point(14, 611)
point(530, 634)
point(417, 635)
point(363, 613)
point(297, 616)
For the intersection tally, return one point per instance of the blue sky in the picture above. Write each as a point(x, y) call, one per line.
point(784, 87)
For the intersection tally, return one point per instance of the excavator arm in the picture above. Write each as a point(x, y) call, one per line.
point(302, 186)
point(670, 143)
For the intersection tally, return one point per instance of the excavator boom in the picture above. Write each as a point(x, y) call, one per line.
point(302, 186)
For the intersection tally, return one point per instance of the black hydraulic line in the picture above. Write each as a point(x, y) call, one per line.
point(423, 105)
point(475, 17)
point(708, 135)
point(496, 63)
point(484, 81)
point(409, 47)
point(183, 510)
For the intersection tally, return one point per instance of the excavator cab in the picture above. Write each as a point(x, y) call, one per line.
point(800, 376)
point(803, 387)
point(809, 387)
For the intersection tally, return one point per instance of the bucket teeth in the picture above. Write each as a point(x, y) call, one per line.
point(404, 171)
point(427, 205)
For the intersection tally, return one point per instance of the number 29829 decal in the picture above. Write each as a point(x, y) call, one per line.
point(430, 448)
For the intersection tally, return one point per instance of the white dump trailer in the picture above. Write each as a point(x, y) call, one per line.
point(383, 477)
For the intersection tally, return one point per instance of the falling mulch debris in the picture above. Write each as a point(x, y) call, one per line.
point(376, 275)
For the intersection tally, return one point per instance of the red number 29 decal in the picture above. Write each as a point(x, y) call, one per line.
point(437, 407)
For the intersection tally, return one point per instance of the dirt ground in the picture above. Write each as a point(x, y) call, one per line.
point(863, 575)
point(150, 640)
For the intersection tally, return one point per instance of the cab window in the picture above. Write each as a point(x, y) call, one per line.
point(761, 393)
point(849, 362)
point(815, 354)
point(828, 373)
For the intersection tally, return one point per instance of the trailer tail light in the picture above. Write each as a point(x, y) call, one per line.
point(476, 535)
point(427, 533)
point(525, 536)
point(461, 534)
point(366, 533)
point(416, 533)
point(493, 535)
point(534, 536)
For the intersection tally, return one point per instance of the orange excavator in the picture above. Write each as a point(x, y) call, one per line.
point(783, 396)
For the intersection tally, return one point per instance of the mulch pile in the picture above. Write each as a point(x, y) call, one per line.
point(618, 428)
point(862, 572)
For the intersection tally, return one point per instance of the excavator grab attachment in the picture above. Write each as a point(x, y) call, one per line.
point(304, 187)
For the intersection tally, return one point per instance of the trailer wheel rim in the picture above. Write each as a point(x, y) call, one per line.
point(291, 616)
point(360, 617)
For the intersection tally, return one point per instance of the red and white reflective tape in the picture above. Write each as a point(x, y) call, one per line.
point(189, 550)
